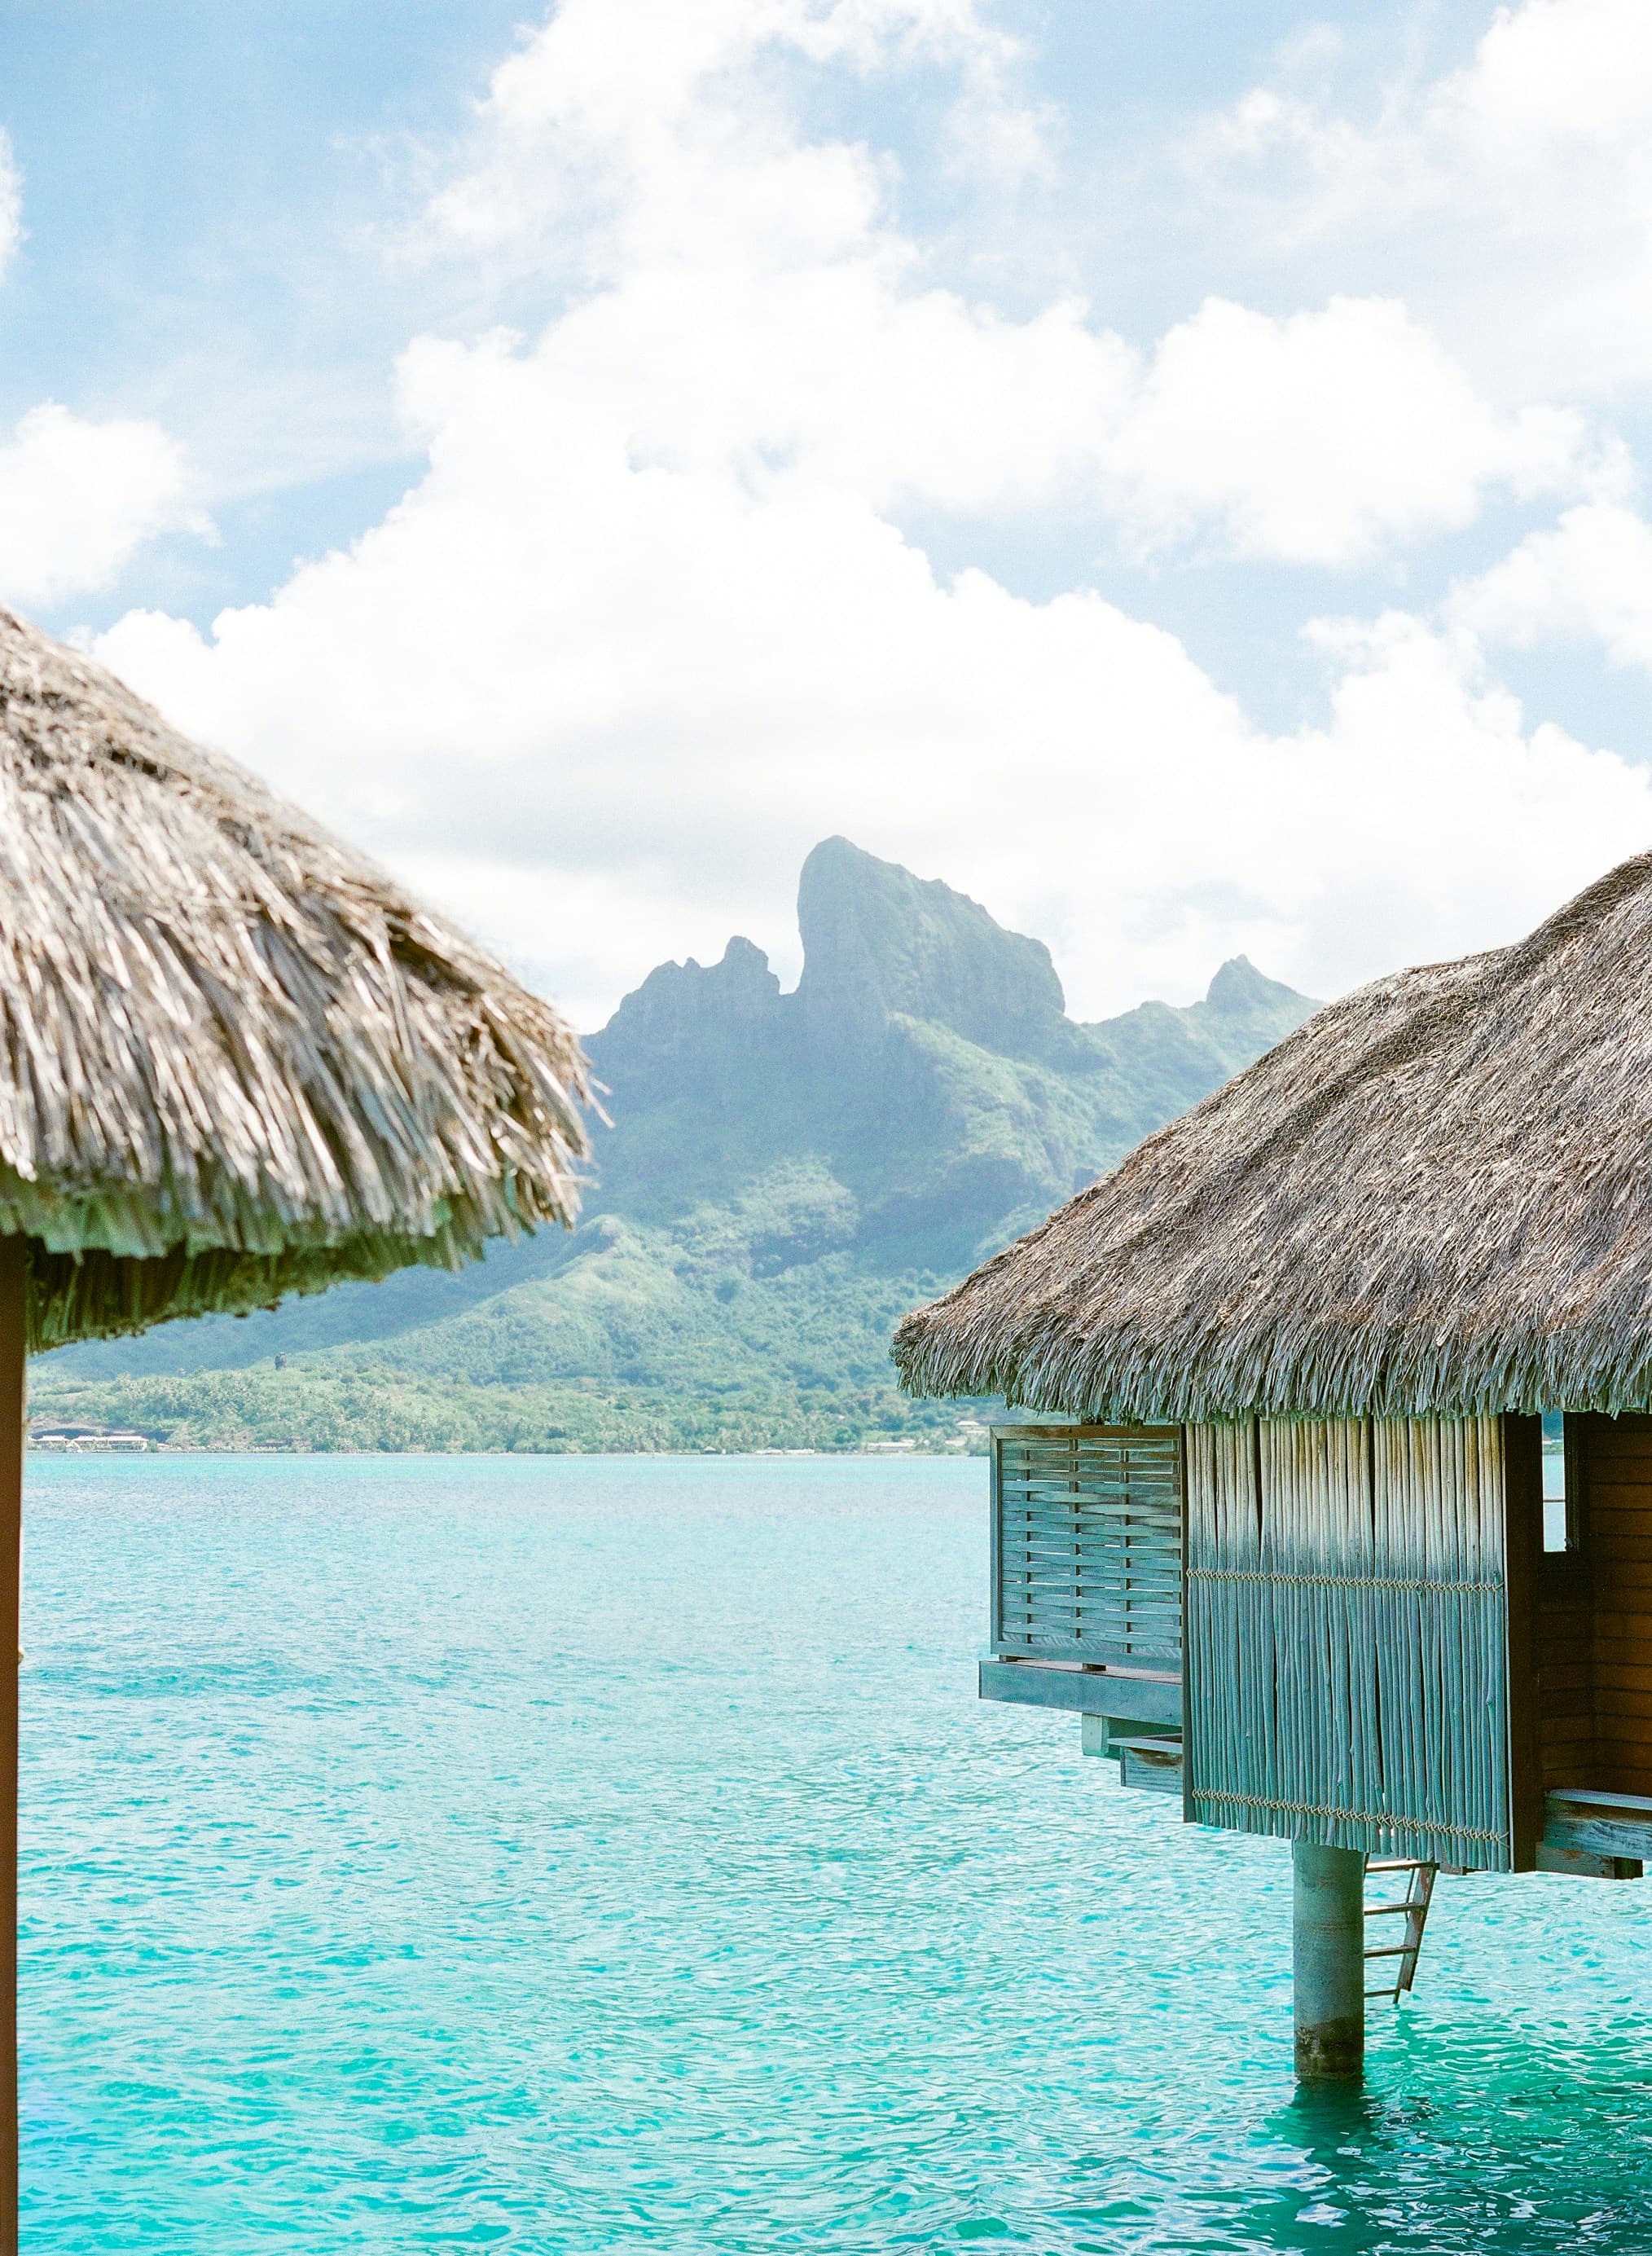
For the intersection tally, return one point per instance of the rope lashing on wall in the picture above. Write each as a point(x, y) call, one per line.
point(1387, 1819)
point(1336, 1582)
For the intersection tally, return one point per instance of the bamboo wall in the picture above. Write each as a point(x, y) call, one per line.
point(1346, 1641)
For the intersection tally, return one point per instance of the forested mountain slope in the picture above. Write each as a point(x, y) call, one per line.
point(785, 1175)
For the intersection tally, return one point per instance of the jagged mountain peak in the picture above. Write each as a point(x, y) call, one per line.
point(783, 1176)
point(1239, 991)
point(681, 1008)
point(924, 1058)
point(878, 942)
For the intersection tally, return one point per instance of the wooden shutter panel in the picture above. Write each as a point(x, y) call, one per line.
point(1087, 1543)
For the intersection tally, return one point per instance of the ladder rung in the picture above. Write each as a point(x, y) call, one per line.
point(1414, 1909)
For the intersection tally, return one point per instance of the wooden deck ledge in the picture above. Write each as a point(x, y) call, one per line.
point(1591, 1821)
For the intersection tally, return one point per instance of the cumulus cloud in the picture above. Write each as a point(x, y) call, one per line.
point(1523, 180)
point(754, 302)
point(77, 499)
point(647, 626)
point(1557, 96)
point(11, 204)
point(604, 709)
point(646, 110)
point(1589, 579)
point(1321, 436)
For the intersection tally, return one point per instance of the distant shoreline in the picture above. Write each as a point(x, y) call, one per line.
point(904, 1454)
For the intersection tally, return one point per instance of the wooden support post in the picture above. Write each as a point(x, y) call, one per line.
point(13, 1281)
point(1523, 1560)
point(1328, 1961)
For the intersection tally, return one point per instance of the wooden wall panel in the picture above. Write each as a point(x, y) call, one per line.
point(1614, 1575)
point(1563, 1635)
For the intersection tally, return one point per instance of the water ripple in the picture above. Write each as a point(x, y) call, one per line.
point(562, 1856)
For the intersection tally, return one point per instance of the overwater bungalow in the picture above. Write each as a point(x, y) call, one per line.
point(237, 1061)
point(1333, 1515)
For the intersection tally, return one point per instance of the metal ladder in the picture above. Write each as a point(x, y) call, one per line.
point(1413, 1909)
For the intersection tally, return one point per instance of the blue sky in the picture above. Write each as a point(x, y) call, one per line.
point(1173, 471)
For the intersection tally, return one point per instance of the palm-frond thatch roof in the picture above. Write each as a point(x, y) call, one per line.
point(236, 1060)
point(1435, 1196)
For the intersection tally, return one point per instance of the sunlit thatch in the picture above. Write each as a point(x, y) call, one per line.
point(1434, 1196)
point(236, 1060)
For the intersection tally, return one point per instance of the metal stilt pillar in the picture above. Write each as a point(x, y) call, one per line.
point(1328, 1961)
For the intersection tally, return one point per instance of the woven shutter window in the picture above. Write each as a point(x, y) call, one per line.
point(1088, 1549)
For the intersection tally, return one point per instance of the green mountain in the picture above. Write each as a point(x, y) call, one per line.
point(786, 1173)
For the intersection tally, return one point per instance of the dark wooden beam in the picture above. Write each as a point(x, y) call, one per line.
point(1597, 1823)
point(1585, 1864)
point(1524, 1535)
point(1142, 1699)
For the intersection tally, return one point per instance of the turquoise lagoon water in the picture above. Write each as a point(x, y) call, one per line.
point(570, 1854)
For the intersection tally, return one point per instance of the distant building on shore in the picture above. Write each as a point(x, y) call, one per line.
point(83, 1441)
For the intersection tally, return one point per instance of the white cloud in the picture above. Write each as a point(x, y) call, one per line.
point(646, 108)
point(645, 630)
point(1588, 580)
point(1554, 80)
point(1314, 438)
point(11, 204)
point(603, 711)
point(1558, 96)
point(1319, 437)
point(756, 305)
point(77, 499)
point(1515, 192)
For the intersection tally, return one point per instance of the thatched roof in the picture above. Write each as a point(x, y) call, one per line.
point(235, 1060)
point(1434, 1196)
